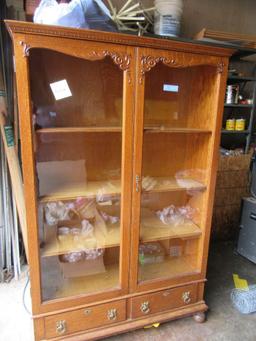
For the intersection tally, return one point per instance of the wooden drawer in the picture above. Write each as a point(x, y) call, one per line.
point(87, 318)
point(163, 300)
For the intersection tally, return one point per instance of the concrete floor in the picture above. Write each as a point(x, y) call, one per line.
point(224, 323)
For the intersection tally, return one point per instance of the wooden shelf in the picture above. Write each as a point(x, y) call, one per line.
point(58, 130)
point(152, 229)
point(90, 189)
point(176, 130)
point(53, 247)
point(165, 184)
point(58, 287)
point(170, 267)
point(108, 189)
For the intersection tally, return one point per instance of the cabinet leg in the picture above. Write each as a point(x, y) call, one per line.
point(199, 317)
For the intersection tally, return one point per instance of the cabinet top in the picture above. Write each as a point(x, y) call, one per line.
point(28, 28)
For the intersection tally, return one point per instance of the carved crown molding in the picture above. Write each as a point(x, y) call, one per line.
point(123, 61)
point(19, 27)
point(148, 62)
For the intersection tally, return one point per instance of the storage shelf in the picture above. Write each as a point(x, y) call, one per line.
point(53, 247)
point(238, 105)
point(241, 79)
point(176, 130)
point(58, 130)
point(108, 189)
point(234, 131)
point(152, 229)
point(170, 267)
point(58, 287)
point(165, 184)
point(91, 189)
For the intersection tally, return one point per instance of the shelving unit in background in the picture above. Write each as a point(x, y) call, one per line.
point(247, 111)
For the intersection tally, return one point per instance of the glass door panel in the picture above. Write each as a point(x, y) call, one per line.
point(176, 139)
point(77, 115)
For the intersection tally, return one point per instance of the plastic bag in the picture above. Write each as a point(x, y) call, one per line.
point(55, 211)
point(244, 300)
point(71, 14)
point(176, 215)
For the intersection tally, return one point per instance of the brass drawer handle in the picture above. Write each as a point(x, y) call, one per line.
point(144, 307)
point(186, 297)
point(87, 312)
point(112, 314)
point(61, 327)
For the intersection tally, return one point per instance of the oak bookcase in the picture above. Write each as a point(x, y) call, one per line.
point(119, 140)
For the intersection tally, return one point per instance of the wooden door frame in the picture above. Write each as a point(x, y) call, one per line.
point(146, 59)
point(123, 57)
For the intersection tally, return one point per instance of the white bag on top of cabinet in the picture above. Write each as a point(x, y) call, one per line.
point(70, 14)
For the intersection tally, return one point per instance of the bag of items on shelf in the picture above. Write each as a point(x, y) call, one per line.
point(74, 13)
point(78, 225)
point(176, 215)
point(151, 253)
point(82, 263)
point(50, 12)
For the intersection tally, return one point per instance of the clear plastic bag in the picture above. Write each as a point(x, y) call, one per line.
point(176, 215)
point(70, 14)
point(244, 300)
point(55, 211)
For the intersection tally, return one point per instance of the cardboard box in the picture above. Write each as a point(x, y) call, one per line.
point(233, 179)
point(238, 162)
point(83, 268)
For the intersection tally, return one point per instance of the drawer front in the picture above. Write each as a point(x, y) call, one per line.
point(87, 318)
point(163, 300)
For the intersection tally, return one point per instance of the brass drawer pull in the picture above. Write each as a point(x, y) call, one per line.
point(186, 297)
point(87, 312)
point(61, 327)
point(144, 307)
point(112, 314)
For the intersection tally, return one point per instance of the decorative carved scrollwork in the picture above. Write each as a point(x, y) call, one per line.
point(26, 48)
point(148, 62)
point(122, 61)
point(220, 67)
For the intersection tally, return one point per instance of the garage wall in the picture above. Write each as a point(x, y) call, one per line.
point(224, 15)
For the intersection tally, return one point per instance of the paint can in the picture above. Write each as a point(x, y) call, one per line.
point(230, 124)
point(168, 17)
point(240, 124)
point(232, 93)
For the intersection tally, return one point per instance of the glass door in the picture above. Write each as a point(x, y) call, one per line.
point(80, 124)
point(175, 148)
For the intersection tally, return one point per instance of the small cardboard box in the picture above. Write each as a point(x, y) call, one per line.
point(83, 268)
